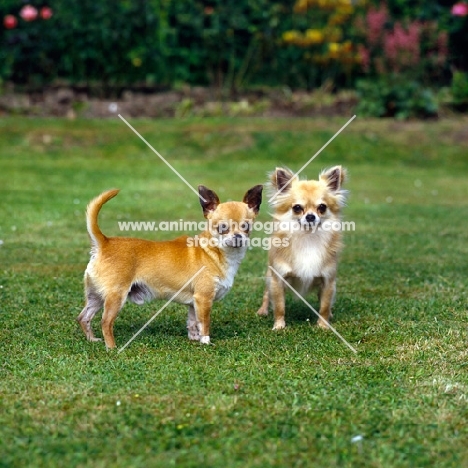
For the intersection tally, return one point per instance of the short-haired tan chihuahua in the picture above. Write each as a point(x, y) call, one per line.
point(138, 270)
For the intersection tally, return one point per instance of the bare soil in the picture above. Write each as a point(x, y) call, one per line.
point(72, 102)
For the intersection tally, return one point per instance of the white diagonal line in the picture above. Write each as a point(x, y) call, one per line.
point(312, 158)
point(313, 310)
point(162, 159)
point(161, 309)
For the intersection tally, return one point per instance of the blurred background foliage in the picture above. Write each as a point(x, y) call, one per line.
point(386, 50)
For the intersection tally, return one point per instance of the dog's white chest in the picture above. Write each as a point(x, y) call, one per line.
point(309, 253)
point(225, 284)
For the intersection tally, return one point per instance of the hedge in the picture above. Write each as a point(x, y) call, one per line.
point(226, 43)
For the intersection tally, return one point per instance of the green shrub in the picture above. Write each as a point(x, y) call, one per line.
point(393, 96)
point(162, 42)
point(83, 41)
point(460, 88)
point(232, 44)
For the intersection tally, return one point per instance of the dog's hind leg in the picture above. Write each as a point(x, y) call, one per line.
point(263, 311)
point(192, 324)
point(94, 303)
point(327, 297)
point(277, 298)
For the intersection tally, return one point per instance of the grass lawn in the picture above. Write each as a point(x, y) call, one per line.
point(256, 398)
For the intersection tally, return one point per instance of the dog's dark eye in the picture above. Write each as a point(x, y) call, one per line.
point(223, 228)
point(322, 208)
point(297, 209)
point(245, 226)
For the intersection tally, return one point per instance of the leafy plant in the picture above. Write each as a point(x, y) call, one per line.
point(460, 88)
point(165, 42)
point(393, 96)
point(228, 44)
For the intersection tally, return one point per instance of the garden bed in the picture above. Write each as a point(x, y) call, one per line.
point(86, 102)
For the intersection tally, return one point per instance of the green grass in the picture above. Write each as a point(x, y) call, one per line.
point(256, 398)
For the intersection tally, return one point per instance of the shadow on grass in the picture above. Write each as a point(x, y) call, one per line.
point(172, 322)
point(231, 318)
point(297, 312)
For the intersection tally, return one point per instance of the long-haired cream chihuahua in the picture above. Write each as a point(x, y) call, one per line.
point(306, 217)
point(201, 267)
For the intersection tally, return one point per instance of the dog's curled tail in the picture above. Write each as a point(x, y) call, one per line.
point(96, 235)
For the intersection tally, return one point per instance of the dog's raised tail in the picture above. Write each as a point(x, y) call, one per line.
point(92, 212)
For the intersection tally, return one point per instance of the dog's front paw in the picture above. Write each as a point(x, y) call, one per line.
point(263, 311)
point(279, 324)
point(323, 323)
point(205, 339)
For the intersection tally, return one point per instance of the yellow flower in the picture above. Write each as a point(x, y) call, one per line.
point(334, 49)
point(301, 6)
point(290, 36)
point(325, 4)
point(345, 10)
point(136, 61)
point(314, 36)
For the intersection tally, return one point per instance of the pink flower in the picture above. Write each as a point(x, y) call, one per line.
point(376, 20)
point(460, 9)
point(28, 13)
point(402, 47)
point(10, 22)
point(364, 55)
point(46, 13)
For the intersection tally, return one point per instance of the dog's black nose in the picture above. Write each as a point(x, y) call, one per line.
point(310, 218)
point(238, 240)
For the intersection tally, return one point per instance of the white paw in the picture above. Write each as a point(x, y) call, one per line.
point(279, 325)
point(322, 323)
point(205, 339)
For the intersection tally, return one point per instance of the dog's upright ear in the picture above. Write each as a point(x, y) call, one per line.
point(281, 179)
point(208, 200)
point(253, 198)
point(334, 177)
